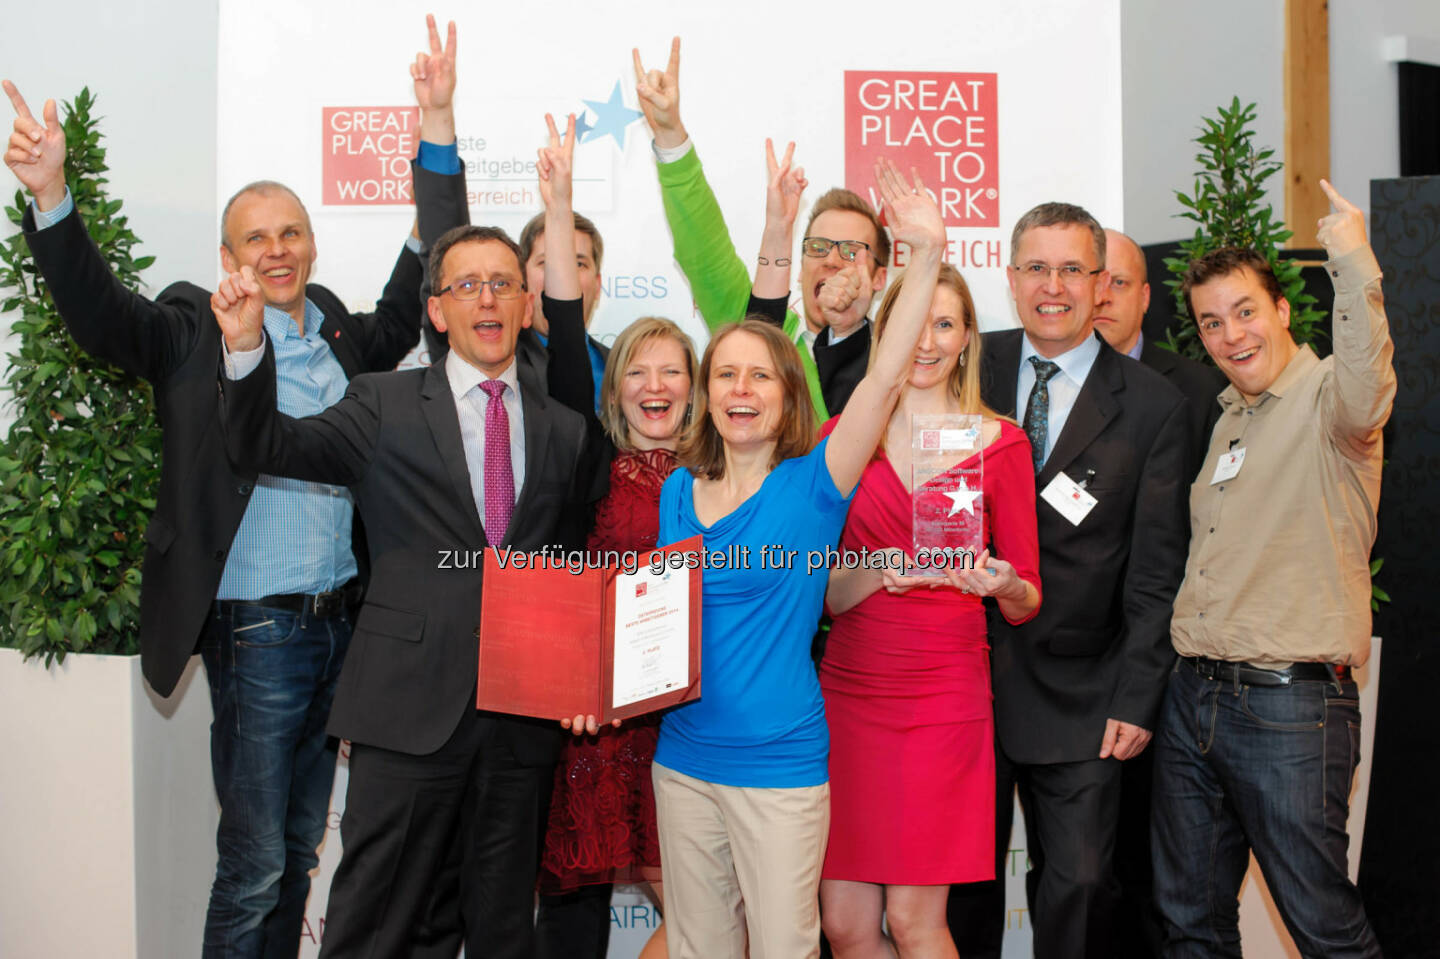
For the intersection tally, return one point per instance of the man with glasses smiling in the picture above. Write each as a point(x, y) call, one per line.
point(1077, 688)
point(846, 250)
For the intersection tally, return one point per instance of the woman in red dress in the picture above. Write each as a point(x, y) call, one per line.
point(601, 827)
point(906, 673)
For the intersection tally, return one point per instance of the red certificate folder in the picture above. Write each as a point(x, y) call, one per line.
point(548, 635)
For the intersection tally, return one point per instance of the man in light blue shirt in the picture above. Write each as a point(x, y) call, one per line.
point(256, 572)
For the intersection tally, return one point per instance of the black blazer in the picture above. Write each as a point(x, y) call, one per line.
point(1200, 384)
point(1100, 645)
point(394, 439)
point(174, 343)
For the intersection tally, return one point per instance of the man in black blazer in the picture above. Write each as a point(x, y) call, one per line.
point(534, 341)
point(1120, 316)
point(1077, 687)
point(226, 571)
point(427, 770)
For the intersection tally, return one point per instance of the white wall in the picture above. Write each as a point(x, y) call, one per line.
point(152, 67)
point(1180, 62)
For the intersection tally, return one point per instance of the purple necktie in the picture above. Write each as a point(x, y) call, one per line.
point(499, 478)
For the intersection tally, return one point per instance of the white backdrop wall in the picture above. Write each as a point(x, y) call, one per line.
point(739, 85)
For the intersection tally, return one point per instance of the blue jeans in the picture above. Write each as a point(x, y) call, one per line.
point(1241, 767)
point(272, 677)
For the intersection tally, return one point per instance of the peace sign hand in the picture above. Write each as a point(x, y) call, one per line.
point(783, 189)
point(36, 151)
point(556, 165)
point(434, 72)
point(660, 98)
point(1342, 231)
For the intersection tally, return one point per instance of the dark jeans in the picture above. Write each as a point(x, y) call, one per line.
point(1240, 767)
point(272, 676)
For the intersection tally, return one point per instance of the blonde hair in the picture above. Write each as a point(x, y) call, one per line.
point(964, 382)
point(644, 330)
point(702, 449)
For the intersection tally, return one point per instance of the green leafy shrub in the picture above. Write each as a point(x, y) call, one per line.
point(1228, 205)
point(80, 466)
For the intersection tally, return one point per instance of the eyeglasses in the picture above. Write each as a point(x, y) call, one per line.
point(502, 288)
point(1069, 272)
point(818, 246)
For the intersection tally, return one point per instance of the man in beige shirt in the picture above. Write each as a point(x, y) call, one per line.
point(1258, 738)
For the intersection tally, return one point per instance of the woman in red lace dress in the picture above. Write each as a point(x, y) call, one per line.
point(601, 827)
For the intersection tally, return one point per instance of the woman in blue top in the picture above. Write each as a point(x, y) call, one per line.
point(740, 776)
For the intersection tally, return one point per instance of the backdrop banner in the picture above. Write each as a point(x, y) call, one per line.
point(998, 108)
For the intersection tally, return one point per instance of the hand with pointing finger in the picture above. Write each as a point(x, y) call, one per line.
point(36, 151)
point(660, 98)
point(1342, 231)
point(239, 309)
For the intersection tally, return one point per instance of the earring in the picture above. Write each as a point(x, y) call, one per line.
point(962, 359)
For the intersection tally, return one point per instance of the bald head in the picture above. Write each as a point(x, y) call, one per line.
point(1119, 315)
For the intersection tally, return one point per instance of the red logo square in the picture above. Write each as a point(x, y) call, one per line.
point(942, 124)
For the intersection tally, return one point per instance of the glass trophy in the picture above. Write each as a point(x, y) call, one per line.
point(946, 470)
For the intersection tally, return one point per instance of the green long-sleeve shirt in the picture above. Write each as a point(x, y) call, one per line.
point(718, 278)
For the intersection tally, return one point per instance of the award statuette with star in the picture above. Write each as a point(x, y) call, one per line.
point(946, 469)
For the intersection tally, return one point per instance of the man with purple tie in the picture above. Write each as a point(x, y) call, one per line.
point(464, 454)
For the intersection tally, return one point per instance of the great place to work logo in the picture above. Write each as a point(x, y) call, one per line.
point(366, 155)
point(942, 124)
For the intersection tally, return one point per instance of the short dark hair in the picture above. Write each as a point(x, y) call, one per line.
point(1223, 262)
point(535, 229)
point(469, 234)
point(259, 186)
point(839, 198)
point(702, 449)
point(1059, 214)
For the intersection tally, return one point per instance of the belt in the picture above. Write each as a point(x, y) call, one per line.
point(1248, 675)
point(319, 605)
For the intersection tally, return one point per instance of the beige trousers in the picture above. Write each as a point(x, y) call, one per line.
point(740, 864)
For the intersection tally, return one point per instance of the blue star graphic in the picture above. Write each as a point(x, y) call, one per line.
point(611, 118)
point(582, 124)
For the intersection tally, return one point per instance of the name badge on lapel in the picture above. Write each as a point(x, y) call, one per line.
point(1228, 466)
point(1069, 498)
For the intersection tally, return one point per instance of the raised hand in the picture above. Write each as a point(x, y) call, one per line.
point(36, 152)
point(434, 76)
point(1342, 231)
point(556, 165)
point(239, 310)
point(660, 98)
point(783, 189)
point(910, 210)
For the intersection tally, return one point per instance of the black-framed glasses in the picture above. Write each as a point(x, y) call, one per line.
point(501, 287)
point(818, 246)
point(1068, 272)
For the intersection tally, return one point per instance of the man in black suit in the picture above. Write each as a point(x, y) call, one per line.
point(534, 341)
point(255, 572)
point(1077, 687)
point(1119, 316)
point(442, 462)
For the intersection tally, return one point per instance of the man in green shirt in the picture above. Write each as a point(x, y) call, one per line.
point(846, 251)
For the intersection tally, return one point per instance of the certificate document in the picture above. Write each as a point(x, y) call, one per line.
point(652, 635)
point(558, 641)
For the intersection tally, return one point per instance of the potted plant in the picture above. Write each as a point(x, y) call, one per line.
point(107, 780)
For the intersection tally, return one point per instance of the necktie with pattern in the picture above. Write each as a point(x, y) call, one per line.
point(1037, 410)
point(499, 477)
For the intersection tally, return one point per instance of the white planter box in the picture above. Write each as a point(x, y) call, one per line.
point(107, 812)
